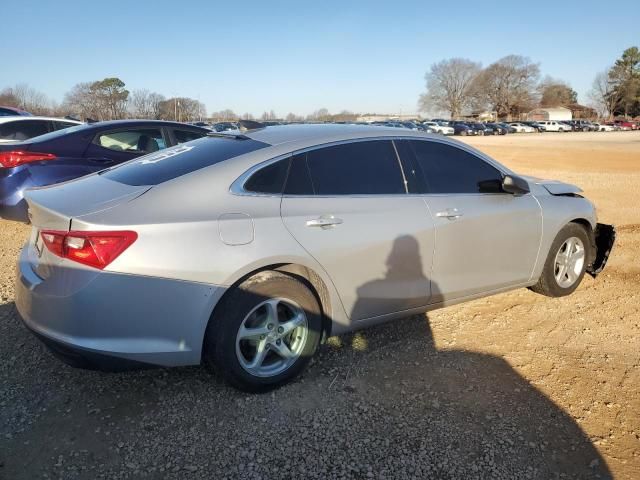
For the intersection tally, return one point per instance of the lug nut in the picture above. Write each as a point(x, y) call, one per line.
point(280, 329)
point(262, 337)
point(270, 326)
point(278, 342)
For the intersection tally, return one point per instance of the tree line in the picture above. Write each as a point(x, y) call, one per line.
point(105, 99)
point(512, 86)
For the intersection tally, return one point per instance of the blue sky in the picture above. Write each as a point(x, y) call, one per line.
point(301, 56)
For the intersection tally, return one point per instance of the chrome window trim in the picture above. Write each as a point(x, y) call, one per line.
point(237, 187)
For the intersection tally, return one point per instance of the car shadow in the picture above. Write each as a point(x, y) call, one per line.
point(383, 402)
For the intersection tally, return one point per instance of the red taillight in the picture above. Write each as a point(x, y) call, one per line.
point(19, 157)
point(96, 249)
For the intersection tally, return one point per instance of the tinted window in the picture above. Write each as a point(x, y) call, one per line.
point(179, 160)
point(183, 136)
point(22, 130)
point(269, 179)
point(449, 169)
point(60, 125)
point(138, 140)
point(358, 168)
point(299, 179)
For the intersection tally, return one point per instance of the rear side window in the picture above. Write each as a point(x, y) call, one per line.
point(60, 125)
point(143, 140)
point(179, 160)
point(449, 169)
point(23, 130)
point(358, 168)
point(269, 179)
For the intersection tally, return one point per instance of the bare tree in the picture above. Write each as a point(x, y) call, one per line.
point(226, 115)
point(247, 116)
point(27, 98)
point(604, 95)
point(81, 102)
point(320, 115)
point(508, 86)
point(155, 102)
point(449, 86)
point(140, 104)
point(554, 93)
point(292, 117)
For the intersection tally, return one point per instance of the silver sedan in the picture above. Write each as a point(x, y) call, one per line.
point(245, 250)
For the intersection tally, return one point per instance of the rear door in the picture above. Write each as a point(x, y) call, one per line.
point(486, 239)
point(347, 206)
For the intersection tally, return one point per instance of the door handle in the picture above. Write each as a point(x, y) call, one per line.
point(324, 222)
point(450, 213)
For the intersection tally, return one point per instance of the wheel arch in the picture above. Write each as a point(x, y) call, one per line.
point(305, 274)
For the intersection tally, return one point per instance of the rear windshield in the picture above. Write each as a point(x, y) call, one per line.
point(174, 162)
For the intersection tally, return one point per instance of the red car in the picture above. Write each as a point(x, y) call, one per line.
point(626, 124)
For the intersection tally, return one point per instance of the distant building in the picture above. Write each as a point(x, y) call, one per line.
point(582, 111)
point(550, 113)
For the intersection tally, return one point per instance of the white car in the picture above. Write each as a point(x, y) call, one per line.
point(522, 128)
point(24, 128)
point(604, 128)
point(554, 126)
point(439, 128)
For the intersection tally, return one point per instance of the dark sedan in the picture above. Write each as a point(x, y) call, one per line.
point(77, 151)
point(462, 128)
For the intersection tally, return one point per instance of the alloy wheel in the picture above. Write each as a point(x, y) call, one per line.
point(569, 262)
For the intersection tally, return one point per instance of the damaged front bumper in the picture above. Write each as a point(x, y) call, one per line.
point(604, 236)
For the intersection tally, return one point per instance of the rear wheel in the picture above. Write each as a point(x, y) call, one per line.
point(566, 262)
point(264, 333)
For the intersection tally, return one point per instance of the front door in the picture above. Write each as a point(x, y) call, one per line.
point(486, 239)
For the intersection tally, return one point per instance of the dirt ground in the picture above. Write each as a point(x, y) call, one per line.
point(515, 385)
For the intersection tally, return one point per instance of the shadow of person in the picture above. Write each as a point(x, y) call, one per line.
point(455, 414)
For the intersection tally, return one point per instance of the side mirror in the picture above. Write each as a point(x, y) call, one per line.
point(515, 185)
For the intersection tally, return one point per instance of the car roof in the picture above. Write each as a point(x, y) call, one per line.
point(135, 122)
point(21, 118)
point(306, 135)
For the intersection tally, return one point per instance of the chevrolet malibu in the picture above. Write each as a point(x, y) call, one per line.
point(245, 250)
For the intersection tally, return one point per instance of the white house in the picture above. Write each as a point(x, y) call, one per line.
point(550, 113)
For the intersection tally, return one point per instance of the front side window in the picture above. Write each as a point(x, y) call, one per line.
point(449, 169)
point(135, 141)
point(358, 168)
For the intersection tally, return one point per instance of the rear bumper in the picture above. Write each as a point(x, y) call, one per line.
point(114, 321)
point(604, 237)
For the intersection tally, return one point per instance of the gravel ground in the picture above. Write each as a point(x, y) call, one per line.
point(512, 386)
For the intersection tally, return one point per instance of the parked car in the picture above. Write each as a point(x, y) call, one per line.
point(481, 128)
point(462, 128)
point(439, 128)
point(603, 127)
point(522, 127)
point(24, 127)
point(12, 112)
point(626, 124)
point(554, 126)
point(224, 126)
point(500, 129)
point(535, 125)
point(244, 252)
point(76, 151)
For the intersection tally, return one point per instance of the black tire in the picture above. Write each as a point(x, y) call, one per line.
point(219, 350)
point(547, 283)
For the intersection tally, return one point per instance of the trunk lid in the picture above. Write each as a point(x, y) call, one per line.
point(55, 206)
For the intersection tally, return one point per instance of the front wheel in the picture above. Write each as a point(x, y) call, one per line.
point(566, 262)
point(264, 333)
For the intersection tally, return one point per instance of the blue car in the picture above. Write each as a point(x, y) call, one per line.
point(77, 151)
